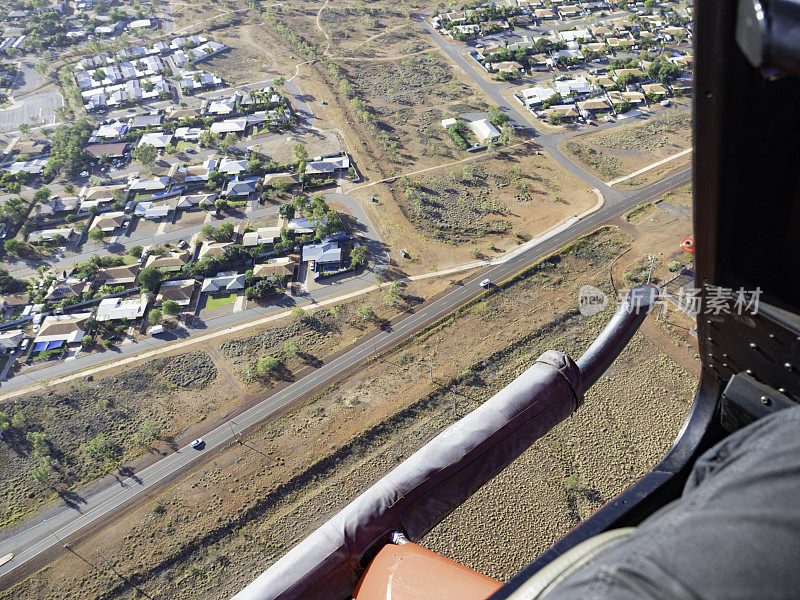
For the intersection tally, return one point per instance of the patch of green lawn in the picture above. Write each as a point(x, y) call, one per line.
point(220, 300)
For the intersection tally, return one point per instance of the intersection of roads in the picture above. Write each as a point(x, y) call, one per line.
point(40, 538)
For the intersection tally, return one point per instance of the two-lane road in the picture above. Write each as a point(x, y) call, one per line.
point(37, 540)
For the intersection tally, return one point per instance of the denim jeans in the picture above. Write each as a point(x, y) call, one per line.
point(733, 534)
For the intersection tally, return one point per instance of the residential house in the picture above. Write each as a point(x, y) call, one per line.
point(291, 178)
point(328, 166)
point(143, 186)
point(108, 222)
point(12, 304)
point(276, 266)
point(58, 205)
point(111, 131)
point(241, 188)
point(113, 309)
point(159, 139)
point(318, 255)
point(34, 166)
point(123, 275)
point(153, 210)
point(224, 282)
point(567, 112)
point(231, 166)
point(169, 262)
point(180, 291)
point(593, 106)
point(654, 90)
point(578, 85)
point(483, 130)
point(67, 288)
point(262, 235)
point(114, 150)
point(145, 121)
point(66, 329)
point(32, 148)
point(534, 96)
point(188, 134)
point(11, 339)
point(97, 196)
point(62, 235)
point(238, 125)
point(193, 201)
point(212, 249)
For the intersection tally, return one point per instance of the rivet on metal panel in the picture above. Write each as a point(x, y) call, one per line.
point(765, 401)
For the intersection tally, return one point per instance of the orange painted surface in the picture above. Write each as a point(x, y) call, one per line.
point(411, 572)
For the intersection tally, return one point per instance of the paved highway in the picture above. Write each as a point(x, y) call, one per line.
point(43, 532)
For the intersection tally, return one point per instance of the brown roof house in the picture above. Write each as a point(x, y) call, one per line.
point(63, 328)
point(124, 275)
point(276, 266)
point(108, 222)
point(169, 262)
point(180, 291)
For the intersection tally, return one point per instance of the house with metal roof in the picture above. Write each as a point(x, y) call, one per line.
point(114, 309)
point(238, 188)
point(321, 254)
point(262, 235)
point(159, 139)
point(224, 282)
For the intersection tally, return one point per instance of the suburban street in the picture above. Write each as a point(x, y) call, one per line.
point(378, 261)
point(38, 539)
point(38, 534)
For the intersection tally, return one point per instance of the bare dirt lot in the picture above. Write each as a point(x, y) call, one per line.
point(483, 206)
point(623, 150)
point(220, 527)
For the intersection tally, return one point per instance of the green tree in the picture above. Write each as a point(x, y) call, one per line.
point(208, 231)
point(149, 278)
point(224, 232)
point(145, 154)
point(42, 194)
point(267, 366)
point(97, 235)
point(136, 251)
point(393, 294)
point(300, 152)
point(69, 188)
point(18, 420)
point(24, 128)
point(279, 82)
point(87, 341)
point(291, 349)
point(228, 142)
point(300, 315)
point(42, 473)
point(16, 247)
point(359, 255)
point(39, 441)
point(171, 307)
point(286, 211)
point(154, 317)
point(366, 313)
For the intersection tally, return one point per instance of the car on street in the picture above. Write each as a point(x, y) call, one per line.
point(486, 283)
point(198, 444)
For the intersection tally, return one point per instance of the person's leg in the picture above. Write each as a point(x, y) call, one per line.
point(734, 533)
